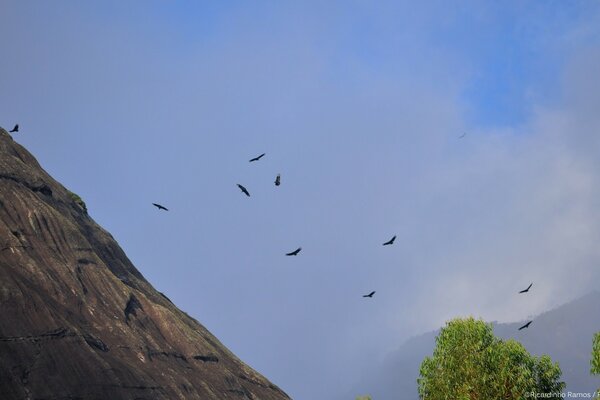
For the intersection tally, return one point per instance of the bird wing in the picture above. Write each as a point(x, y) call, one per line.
point(526, 325)
point(243, 189)
point(257, 158)
point(390, 241)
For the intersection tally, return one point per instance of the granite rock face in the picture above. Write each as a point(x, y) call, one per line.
point(79, 321)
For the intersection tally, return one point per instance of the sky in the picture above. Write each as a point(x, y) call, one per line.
point(360, 107)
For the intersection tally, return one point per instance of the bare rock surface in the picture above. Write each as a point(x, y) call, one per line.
point(79, 321)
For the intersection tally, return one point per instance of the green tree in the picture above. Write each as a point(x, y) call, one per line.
point(470, 363)
point(363, 398)
point(596, 354)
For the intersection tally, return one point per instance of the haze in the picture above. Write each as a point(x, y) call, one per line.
point(360, 108)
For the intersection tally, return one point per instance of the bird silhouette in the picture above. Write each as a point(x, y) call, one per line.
point(463, 135)
point(15, 129)
point(258, 158)
point(526, 290)
point(244, 190)
point(278, 180)
point(526, 325)
point(295, 252)
point(370, 294)
point(391, 241)
point(160, 207)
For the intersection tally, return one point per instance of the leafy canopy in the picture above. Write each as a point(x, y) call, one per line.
point(470, 363)
point(596, 354)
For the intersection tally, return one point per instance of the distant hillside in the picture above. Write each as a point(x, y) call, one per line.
point(564, 333)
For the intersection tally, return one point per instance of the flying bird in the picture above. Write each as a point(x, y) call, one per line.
point(370, 294)
point(258, 158)
point(391, 241)
point(244, 190)
point(278, 180)
point(15, 129)
point(526, 325)
point(160, 207)
point(526, 290)
point(295, 252)
point(463, 135)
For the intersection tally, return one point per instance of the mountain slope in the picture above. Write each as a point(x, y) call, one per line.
point(79, 321)
point(564, 333)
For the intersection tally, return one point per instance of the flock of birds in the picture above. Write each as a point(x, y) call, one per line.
point(277, 183)
point(299, 249)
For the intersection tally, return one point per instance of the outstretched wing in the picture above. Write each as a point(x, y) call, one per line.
point(243, 189)
point(526, 325)
point(295, 252)
point(391, 241)
point(257, 158)
point(526, 290)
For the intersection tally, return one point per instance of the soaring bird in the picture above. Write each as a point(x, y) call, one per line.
point(278, 180)
point(463, 135)
point(160, 207)
point(370, 294)
point(526, 325)
point(295, 252)
point(391, 241)
point(15, 129)
point(258, 158)
point(526, 290)
point(244, 190)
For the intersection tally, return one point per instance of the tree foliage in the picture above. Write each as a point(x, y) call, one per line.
point(470, 363)
point(596, 354)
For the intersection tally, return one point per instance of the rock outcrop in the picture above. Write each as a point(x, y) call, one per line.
point(79, 321)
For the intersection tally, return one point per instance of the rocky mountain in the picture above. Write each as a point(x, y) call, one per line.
point(79, 321)
point(564, 333)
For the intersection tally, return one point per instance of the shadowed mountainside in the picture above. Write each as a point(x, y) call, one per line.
point(79, 321)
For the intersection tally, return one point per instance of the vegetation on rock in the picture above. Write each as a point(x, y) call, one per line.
point(78, 200)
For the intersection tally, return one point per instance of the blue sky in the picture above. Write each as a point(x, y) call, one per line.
point(359, 107)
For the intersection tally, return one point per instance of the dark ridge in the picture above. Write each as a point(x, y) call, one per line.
point(163, 295)
point(154, 353)
point(83, 287)
point(44, 189)
point(133, 304)
point(209, 358)
point(95, 343)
